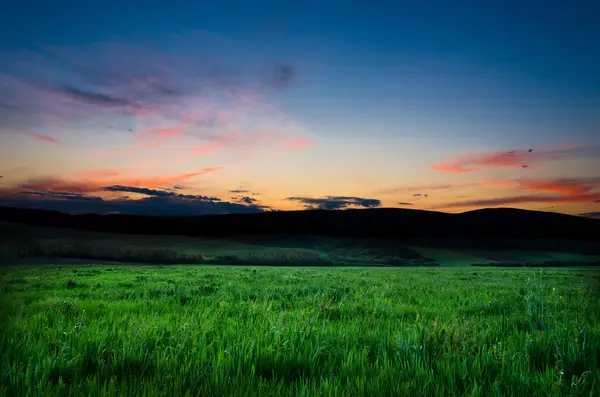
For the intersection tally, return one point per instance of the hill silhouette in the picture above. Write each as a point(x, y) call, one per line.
point(380, 223)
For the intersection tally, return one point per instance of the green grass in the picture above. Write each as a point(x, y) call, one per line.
point(279, 250)
point(242, 331)
point(450, 257)
point(18, 241)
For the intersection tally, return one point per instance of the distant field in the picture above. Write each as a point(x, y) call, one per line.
point(44, 244)
point(467, 257)
point(243, 331)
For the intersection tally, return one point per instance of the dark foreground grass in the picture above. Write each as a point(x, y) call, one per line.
point(238, 331)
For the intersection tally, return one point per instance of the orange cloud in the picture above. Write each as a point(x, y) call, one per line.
point(573, 186)
point(96, 185)
point(209, 148)
point(97, 174)
point(566, 190)
point(500, 201)
point(57, 185)
point(162, 181)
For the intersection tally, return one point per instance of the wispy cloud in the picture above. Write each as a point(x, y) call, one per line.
point(100, 173)
point(424, 188)
point(33, 134)
point(570, 186)
point(62, 195)
point(95, 98)
point(162, 95)
point(98, 191)
point(87, 185)
point(563, 190)
point(404, 203)
point(522, 158)
point(336, 202)
point(516, 200)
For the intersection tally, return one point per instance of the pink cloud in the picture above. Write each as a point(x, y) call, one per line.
point(89, 185)
point(464, 164)
point(523, 158)
point(37, 136)
point(564, 189)
point(167, 96)
point(569, 186)
point(209, 148)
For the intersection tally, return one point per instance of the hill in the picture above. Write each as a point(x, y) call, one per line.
point(503, 223)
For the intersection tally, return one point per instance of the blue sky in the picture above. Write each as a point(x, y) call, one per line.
point(370, 96)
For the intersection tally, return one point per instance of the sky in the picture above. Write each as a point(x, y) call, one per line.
point(189, 108)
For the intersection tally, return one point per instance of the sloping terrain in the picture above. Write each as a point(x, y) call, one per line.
point(499, 224)
point(55, 245)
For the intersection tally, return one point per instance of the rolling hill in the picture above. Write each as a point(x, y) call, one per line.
point(502, 223)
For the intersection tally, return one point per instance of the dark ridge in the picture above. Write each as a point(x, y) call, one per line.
point(383, 222)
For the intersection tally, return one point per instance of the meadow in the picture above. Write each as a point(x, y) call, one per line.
point(284, 331)
point(41, 245)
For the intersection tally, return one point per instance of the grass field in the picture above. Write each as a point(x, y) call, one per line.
point(243, 331)
point(20, 241)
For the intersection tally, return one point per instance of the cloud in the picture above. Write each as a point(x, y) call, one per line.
point(564, 189)
point(404, 203)
point(246, 200)
point(523, 158)
point(98, 193)
point(209, 148)
point(57, 185)
point(8, 106)
point(158, 193)
point(220, 98)
point(570, 186)
point(422, 188)
point(95, 98)
point(35, 135)
point(336, 202)
point(595, 215)
point(239, 191)
point(62, 195)
point(282, 76)
point(524, 199)
point(100, 173)
point(164, 132)
point(88, 185)
point(157, 206)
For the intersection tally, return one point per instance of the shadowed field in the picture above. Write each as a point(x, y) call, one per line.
point(41, 245)
point(218, 330)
